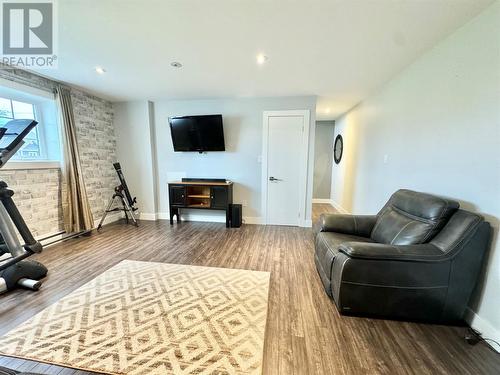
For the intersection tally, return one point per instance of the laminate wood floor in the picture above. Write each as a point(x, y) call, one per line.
point(305, 333)
point(321, 208)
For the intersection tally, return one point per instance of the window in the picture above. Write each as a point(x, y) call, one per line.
point(42, 143)
point(12, 109)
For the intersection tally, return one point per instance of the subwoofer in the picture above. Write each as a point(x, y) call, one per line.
point(236, 215)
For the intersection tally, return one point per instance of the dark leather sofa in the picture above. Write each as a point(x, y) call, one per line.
point(417, 259)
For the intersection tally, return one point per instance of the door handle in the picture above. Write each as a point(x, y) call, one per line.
point(274, 179)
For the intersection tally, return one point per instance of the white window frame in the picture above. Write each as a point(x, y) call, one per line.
point(37, 113)
point(16, 164)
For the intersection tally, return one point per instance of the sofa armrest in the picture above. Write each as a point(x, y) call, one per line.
point(357, 225)
point(406, 253)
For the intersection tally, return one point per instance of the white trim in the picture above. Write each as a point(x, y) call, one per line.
point(148, 216)
point(29, 90)
point(264, 173)
point(162, 216)
point(332, 203)
point(322, 201)
point(338, 207)
point(111, 218)
point(42, 135)
point(307, 224)
point(45, 113)
point(32, 164)
point(253, 220)
point(303, 160)
point(484, 327)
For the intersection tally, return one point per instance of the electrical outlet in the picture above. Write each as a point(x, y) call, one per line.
point(386, 159)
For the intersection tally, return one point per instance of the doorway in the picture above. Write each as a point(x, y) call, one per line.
point(284, 167)
point(323, 161)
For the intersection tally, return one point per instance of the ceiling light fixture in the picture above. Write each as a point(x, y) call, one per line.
point(327, 110)
point(261, 58)
point(176, 64)
point(100, 70)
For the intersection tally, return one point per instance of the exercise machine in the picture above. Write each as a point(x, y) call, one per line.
point(123, 195)
point(15, 268)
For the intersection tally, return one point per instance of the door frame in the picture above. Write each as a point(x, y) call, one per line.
point(304, 153)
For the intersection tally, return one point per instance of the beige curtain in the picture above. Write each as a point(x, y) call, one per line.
point(76, 208)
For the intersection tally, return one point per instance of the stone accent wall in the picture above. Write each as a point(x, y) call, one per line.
point(37, 195)
point(38, 192)
point(97, 147)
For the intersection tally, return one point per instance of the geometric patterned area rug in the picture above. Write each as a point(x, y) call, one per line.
point(153, 318)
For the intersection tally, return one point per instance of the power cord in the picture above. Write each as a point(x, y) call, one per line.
point(472, 337)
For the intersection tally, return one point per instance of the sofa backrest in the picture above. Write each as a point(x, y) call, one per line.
point(457, 231)
point(411, 217)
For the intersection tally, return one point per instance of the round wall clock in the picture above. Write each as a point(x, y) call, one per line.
point(338, 149)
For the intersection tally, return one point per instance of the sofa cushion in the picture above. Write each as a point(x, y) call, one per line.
point(410, 217)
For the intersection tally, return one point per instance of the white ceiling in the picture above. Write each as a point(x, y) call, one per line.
point(338, 50)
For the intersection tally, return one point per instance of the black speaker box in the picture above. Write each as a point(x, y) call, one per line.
point(236, 215)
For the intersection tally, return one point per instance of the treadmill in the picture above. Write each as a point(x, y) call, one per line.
point(15, 269)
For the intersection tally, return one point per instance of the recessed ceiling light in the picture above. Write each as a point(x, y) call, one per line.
point(100, 70)
point(176, 64)
point(261, 58)
point(327, 110)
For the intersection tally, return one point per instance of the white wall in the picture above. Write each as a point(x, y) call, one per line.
point(438, 122)
point(134, 127)
point(323, 159)
point(144, 148)
point(239, 163)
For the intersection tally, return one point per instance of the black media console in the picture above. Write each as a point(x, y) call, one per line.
point(207, 194)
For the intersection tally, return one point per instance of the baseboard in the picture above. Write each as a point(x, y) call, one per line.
point(338, 207)
point(148, 216)
point(110, 218)
point(334, 204)
point(162, 216)
point(484, 327)
point(252, 220)
point(321, 200)
point(306, 223)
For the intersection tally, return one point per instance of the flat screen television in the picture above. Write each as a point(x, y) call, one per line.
point(197, 133)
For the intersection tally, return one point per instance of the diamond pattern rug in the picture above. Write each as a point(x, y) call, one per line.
point(153, 318)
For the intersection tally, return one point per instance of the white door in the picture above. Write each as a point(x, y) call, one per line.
point(285, 164)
